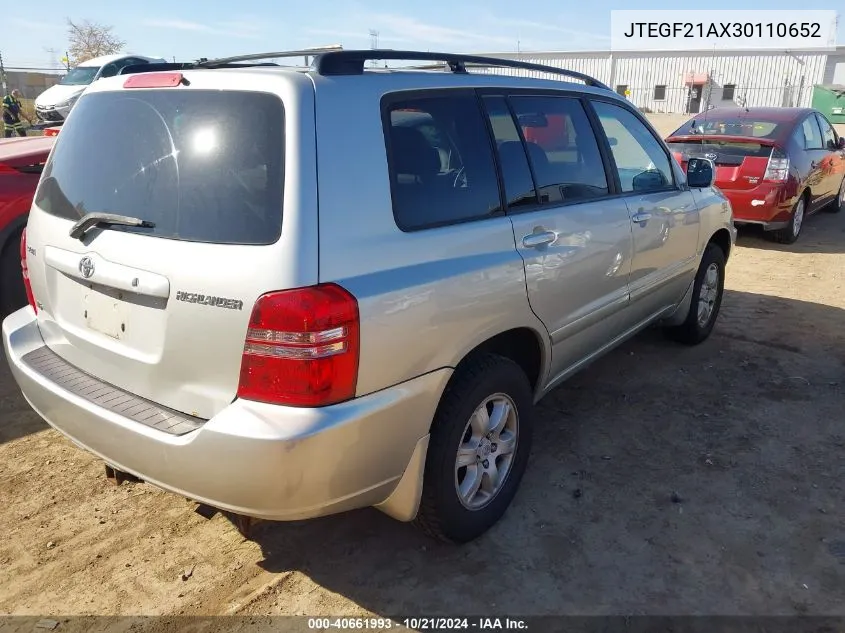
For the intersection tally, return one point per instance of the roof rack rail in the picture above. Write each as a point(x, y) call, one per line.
point(334, 60)
point(165, 66)
point(305, 52)
point(352, 62)
point(229, 62)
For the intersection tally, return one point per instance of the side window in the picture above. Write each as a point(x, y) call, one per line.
point(812, 133)
point(828, 135)
point(562, 148)
point(642, 163)
point(519, 186)
point(109, 70)
point(114, 68)
point(440, 161)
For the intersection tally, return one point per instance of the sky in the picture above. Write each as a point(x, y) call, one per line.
point(189, 30)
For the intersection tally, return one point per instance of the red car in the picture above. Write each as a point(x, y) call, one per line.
point(776, 165)
point(21, 162)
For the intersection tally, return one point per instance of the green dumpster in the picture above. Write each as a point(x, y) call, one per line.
point(830, 101)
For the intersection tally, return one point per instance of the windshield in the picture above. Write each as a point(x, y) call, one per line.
point(203, 165)
point(728, 126)
point(80, 76)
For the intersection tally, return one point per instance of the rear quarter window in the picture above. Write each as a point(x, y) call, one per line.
point(204, 166)
point(440, 160)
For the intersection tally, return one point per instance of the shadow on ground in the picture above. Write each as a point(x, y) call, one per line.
point(822, 233)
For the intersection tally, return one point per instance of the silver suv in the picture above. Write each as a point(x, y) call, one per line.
point(289, 292)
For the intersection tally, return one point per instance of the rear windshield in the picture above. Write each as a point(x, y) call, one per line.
point(204, 166)
point(729, 126)
point(724, 151)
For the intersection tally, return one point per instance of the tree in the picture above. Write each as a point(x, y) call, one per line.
point(89, 39)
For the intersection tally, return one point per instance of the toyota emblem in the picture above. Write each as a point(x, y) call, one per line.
point(86, 267)
point(711, 156)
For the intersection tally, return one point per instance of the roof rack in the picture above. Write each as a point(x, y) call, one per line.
point(352, 62)
point(305, 52)
point(334, 60)
point(165, 66)
point(238, 61)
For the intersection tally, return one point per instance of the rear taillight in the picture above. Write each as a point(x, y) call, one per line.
point(778, 168)
point(25, 272)
point(302, 348)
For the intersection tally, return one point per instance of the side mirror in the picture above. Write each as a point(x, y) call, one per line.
point(700, 173)
point(841, 144)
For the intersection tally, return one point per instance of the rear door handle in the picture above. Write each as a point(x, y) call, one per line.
point(539, 238)
point(641, 216)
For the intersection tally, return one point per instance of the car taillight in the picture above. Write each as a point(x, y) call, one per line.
point(302, 347)
point(778, 168)
point(25, 272)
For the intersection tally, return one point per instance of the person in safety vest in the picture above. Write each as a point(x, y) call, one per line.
point(12, 113)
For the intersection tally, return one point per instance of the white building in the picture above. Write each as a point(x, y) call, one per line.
point(690, 81)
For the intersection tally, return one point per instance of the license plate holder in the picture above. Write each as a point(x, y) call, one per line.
point(105, 314)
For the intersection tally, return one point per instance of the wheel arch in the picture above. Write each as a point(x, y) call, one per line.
point(523, 345)
point(12, 229)
point(527, 347)
point(722, 238)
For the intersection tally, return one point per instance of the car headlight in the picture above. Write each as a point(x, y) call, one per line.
point(68, 102)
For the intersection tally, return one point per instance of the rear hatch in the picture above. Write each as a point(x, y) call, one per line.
point(162, 312)
point(741, 162)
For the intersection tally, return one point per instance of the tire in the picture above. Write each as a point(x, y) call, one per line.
point(789, 234)
point(693, 330)
point(838, 204)
point(497, 381)
point(12, 292)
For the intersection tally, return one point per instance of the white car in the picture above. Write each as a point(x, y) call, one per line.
point(55, 103)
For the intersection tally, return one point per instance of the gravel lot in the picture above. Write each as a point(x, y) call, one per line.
point(664, 480)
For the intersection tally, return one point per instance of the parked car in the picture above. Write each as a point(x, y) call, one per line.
point(55, 103)
point(776, 165)
point(231, 304)
point(21, 162)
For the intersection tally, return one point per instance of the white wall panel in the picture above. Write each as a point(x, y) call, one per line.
point(762, 78)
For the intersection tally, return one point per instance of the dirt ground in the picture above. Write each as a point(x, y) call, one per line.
point(664, 480)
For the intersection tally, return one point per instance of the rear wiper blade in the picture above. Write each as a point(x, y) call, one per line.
point(90, 220)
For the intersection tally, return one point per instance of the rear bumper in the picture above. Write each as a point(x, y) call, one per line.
point(259, 460)
point(768, 205)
